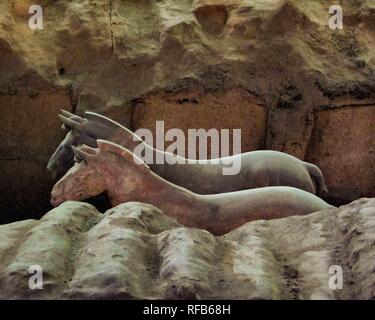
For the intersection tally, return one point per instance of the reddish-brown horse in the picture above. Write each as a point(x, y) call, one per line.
point(125, 177)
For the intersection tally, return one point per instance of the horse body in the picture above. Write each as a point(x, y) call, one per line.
point(260, 168)
point(112, 168)
point(237, 208)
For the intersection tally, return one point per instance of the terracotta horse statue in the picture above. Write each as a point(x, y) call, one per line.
point(125, 177)
point(261, 168)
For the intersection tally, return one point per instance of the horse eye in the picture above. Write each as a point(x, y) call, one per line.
point(77, 159)
point(65, 127)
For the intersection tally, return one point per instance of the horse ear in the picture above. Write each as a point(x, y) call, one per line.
point(71, 116)
point(89, 150)
point(124, 153)
point(68, 121)
point(84, 153)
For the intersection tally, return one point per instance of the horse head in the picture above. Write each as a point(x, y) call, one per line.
point(109, 167)
point(82, 180)
point(79, 131)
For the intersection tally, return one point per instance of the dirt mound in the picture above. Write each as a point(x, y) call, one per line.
point(136, 251)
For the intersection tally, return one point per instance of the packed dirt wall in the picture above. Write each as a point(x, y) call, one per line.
point(274, 69)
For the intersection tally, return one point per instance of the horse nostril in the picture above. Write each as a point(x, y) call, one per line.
point(53, 202)
point(53, 194)
point(80, 194)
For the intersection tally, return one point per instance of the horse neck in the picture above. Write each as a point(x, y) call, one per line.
point(122, 136)
point(148, 187)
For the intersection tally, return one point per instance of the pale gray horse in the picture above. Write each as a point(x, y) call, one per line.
point(260, 168)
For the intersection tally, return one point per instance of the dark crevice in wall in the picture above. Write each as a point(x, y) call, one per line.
point(10, 159)
point(73, 100)
point(110, 27)
point(329, 107)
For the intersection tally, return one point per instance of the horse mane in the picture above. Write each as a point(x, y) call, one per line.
point(105, 120)
point(124, 153)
